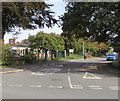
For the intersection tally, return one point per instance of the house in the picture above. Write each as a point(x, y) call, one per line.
point(19, 48)
point(23, 49)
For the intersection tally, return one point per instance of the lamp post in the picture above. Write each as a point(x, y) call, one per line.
point(83, 50)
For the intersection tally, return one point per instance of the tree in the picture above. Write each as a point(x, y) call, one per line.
point(98, 21)
point(97, 48)
point(25, 41)
point(26, 15)
point(92, 48)
point(46, 42)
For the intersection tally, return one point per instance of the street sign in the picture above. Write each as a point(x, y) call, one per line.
point(71, 50)
point(11, 41)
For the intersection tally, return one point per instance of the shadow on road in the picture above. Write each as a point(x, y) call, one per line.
point(76, 66)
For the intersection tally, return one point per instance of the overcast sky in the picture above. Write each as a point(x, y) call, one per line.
point(58, 8)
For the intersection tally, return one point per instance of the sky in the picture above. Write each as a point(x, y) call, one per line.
point(58, 8)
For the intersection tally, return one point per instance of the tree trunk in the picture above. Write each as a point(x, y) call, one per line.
point(46, 54)
point(52, 55)
point(2, 37)
point(38, 53)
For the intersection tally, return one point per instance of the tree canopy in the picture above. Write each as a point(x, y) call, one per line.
point(26, 15)
point(45, 41)
point(96, 21)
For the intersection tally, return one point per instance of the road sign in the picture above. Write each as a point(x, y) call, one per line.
point(11, 41)
point(71, 50)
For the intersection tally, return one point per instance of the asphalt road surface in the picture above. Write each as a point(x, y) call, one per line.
point(69, 80)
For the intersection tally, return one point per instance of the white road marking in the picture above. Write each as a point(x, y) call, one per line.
point(37, 73)
point(77, 86)
point(68, 71)
point(56, 87)
point(114, 87)
point(46, 71)
point(12, 85)
point(39, 86)
point(35, 86)
point(53, 70)
point(70, 84)
point(95, 87)
point(93, 76)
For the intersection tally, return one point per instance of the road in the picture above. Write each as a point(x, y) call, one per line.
point(64, 80)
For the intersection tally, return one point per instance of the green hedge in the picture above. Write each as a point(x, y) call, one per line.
point(6, 56)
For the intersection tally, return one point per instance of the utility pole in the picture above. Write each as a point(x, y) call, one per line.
point(83, 50)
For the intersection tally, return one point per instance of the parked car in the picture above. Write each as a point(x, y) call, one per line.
point(16, 55)
point(111, 57)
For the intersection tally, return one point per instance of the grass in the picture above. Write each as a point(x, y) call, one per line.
point(63, 59)
point(43, 59)
point(3, 66)
point(72, 56)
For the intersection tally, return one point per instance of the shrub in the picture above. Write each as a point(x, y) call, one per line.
point(7, 56)
point(29, 58)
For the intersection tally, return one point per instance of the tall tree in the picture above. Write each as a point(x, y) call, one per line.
point(98, 21)
point(45, 41)
point(26, 15)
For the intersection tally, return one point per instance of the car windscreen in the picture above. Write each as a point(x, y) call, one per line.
point(111, 55)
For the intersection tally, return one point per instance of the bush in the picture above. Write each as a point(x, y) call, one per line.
point(29, 58)
point(7, 56)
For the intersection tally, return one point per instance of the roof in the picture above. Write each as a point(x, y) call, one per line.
point(19, 45)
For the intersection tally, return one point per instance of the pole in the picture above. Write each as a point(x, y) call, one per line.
point(64, 53)
point(83, 51)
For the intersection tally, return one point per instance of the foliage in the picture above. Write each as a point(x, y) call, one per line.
point(97, 48)
point(96, 21)
point(1, 43)
point(26, 15)
point(92, 48)
point(7, 56)
point(46, 42)
point(74, 43)
point(28, 58)
point(25, 41)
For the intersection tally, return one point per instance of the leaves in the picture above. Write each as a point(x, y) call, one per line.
point(46, 41)
point(98, 21)
point(26, 15)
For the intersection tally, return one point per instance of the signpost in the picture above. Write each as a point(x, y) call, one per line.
point(83, 50)
point(11, 41)
point(71, 51)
